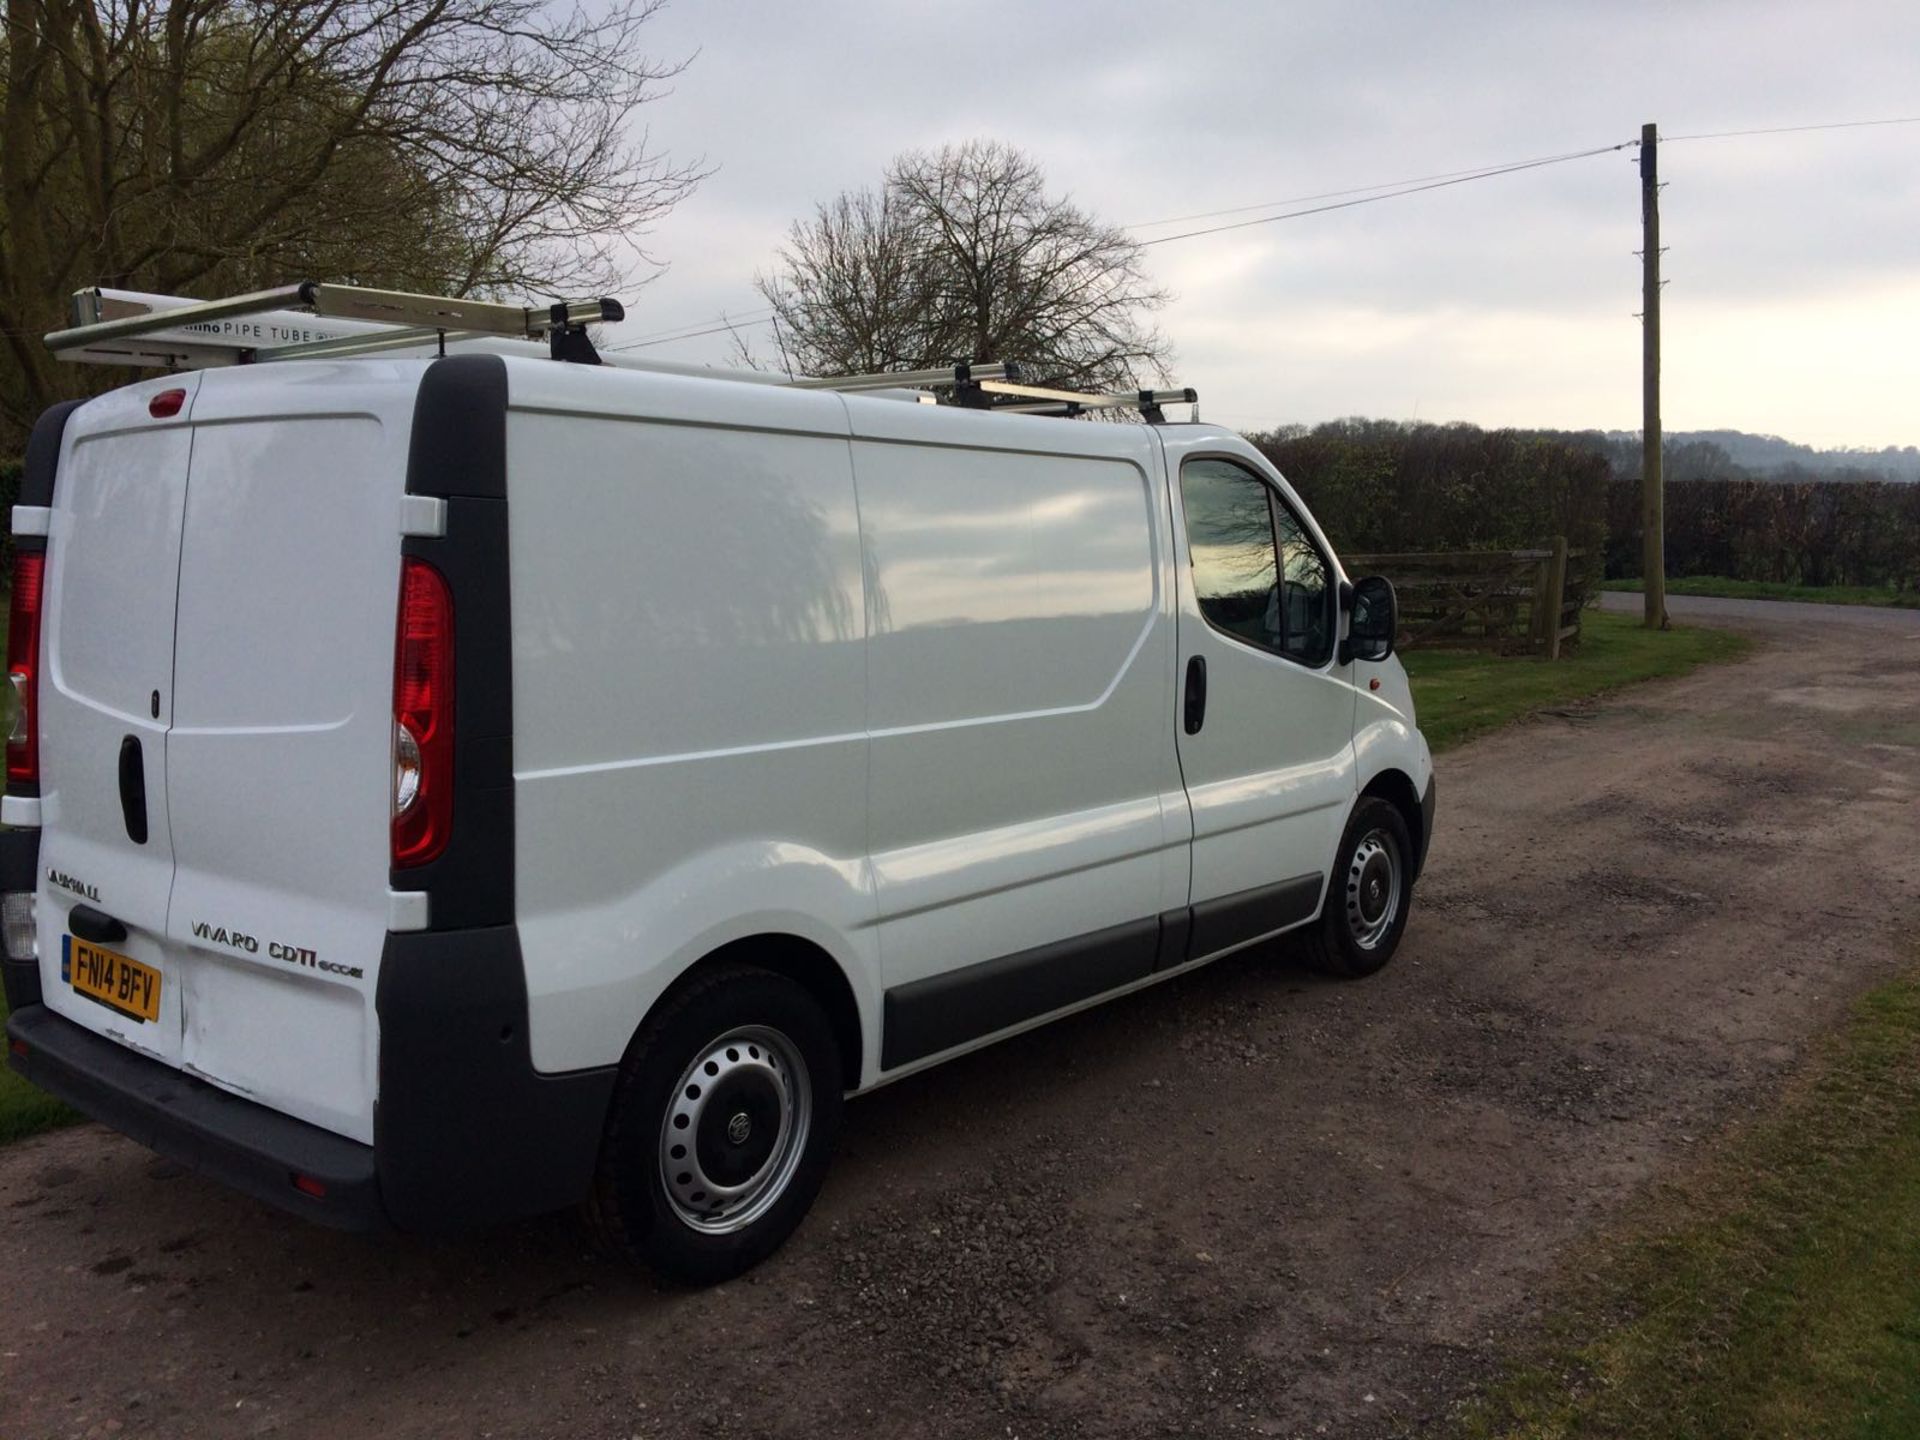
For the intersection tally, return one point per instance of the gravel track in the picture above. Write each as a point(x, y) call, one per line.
point(1246, 1202)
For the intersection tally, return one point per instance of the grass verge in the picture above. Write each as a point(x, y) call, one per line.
point(1458, 694)
point(1771, 1294)
point(25, 1110)
point(1773, 590)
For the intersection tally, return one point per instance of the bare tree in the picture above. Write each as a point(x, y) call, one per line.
point(963, 254)
point(200, 145)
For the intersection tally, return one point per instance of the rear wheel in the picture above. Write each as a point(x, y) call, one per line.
point(722, 1125)
point(1368, 896)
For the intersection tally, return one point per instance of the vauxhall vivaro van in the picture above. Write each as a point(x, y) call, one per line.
point(446, 789)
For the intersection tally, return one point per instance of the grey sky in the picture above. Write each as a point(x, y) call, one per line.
point(1794, 261)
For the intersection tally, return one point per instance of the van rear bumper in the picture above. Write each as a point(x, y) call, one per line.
point(235, 1141)
point(466, 1133)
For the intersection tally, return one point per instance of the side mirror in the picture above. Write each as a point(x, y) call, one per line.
point(1375, 620)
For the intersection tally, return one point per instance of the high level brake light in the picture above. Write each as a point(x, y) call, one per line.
point(422, 716)
point(23, 668)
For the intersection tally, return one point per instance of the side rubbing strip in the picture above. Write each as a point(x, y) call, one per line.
point(927, 1016)
point(1230, 920)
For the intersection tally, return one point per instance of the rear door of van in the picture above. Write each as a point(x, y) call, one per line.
point(222, 594)
point(106, 704)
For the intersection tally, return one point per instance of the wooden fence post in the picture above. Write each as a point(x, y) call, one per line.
point(1556, 595)
point(1542, 618)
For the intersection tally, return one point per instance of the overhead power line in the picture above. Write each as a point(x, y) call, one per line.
point(1343, 200)
point(1461, 178)
point(1795, 129)
point(668, 337)
point(1472, 173)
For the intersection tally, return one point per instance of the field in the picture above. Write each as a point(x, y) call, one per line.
point(1731, 589)
point(1458, 694)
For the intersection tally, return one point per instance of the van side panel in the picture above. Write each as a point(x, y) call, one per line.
point(1025, 789)
point(689, 689)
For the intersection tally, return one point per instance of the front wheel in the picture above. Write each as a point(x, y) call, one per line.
point(1368, 896)
point(722, 1125)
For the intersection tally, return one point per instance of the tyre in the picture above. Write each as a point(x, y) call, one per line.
point(1369, 895)
point(722, 1124)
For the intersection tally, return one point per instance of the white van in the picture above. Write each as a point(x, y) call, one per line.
point(450, 789)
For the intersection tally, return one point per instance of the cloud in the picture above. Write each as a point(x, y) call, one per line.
point(1506, 301)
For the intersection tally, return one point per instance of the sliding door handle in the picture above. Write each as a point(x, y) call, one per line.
point(1196, 704)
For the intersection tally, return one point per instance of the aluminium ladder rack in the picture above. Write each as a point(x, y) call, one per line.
point(996, 386)
point(308, 320)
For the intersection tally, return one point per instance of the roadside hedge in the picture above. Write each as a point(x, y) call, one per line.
point(1380, 485)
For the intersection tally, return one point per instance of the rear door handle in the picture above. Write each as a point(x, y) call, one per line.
point(1196, 706)
point(133, 789)
point(95, 925)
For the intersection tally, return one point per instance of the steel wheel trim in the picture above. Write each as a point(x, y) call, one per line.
point(1373, 888)
point(735, 1129)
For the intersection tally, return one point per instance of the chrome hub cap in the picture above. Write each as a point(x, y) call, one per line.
point(1373, 889)
point(735, 1130)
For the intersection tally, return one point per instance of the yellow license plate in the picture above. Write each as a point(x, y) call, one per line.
point(111, 979)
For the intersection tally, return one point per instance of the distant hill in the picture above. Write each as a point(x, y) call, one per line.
point(1689, 454)
point(1768, 456)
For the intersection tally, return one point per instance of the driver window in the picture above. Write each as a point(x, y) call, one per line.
point(1256, 574)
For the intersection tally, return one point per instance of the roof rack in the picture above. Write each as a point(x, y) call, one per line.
point(960, 374)
point(308, 320)
point(315, 320)
point(997, 386)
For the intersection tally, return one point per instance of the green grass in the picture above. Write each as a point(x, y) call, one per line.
point(1775, 590)
point(1458, 694)
point(1775, 1292)
point(25, 1110)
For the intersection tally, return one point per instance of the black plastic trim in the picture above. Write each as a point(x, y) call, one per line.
point(927, 1016)
point(20, 871)
point(95, 925)
point(1426, 829)
point(37, 473)
point(43, 453)
point(1229, 920)
point(467, 1132)
point(458, 451)
point(1176, 931)
point(235, 1141)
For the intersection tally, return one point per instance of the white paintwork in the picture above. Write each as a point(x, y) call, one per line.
point(424, 515)
point(1024, 783)
point(31, 519)
point(267, 769)
point(107, 637)
point(1270, 776)
point(689, 689)
point(900, 681)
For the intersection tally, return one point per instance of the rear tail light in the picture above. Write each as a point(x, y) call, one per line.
point(23, 668)
point(19, 925)
point(422, 716)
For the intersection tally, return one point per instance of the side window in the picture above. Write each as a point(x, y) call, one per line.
point(1306, 591)
point(1256, 574)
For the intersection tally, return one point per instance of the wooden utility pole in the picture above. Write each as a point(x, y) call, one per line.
point(1653, 544)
